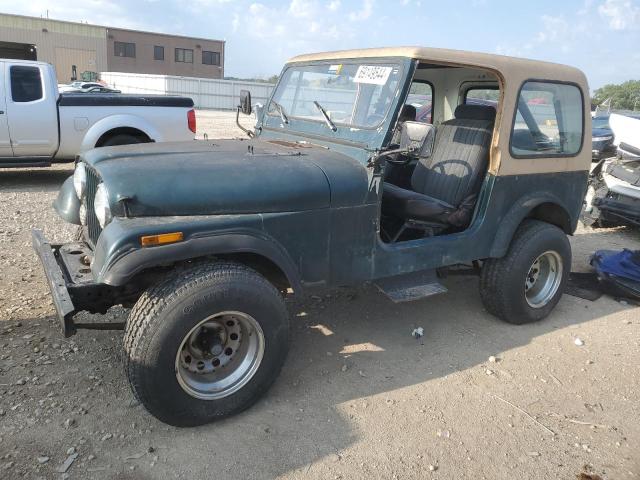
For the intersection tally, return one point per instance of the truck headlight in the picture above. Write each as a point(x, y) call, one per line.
point(602, 139)
point(80, 180)
point(101, 205)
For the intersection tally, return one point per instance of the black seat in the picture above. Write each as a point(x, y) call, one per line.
point(408, 113)
point(445, 186)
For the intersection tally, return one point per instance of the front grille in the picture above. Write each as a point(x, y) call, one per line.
point(93, 227)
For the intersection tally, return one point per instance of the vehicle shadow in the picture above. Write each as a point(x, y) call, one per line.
point(346, 348)
point(351, 353)
point(34, 179)
point(355, 344)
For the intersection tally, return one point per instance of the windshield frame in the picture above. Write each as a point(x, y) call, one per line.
point(397, 62)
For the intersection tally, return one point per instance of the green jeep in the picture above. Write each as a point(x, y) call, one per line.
point(381, 165)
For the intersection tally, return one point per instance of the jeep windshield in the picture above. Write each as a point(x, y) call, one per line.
point(354, 95)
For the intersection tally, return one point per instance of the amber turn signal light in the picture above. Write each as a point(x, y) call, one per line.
point(162, 239)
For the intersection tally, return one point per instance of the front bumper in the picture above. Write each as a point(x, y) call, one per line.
point(56, 280)
point(71, 284)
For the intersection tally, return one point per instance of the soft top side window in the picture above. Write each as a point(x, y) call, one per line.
point(26, 83)
point(549, 120)
point(482, 95)
point(421, 98)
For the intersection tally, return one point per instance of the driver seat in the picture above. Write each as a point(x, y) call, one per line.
point(445, 185)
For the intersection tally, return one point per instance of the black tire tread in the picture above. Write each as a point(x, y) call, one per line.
point(491, 288)
point(122, 139)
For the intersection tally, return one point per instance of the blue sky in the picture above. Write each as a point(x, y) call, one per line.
point(602, 37)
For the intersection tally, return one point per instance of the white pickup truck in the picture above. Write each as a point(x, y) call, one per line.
point(39, 125)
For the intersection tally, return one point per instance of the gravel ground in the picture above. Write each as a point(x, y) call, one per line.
point(358, 397)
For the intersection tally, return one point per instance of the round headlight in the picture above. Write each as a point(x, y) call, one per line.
point(101, 205)
point(80, 180)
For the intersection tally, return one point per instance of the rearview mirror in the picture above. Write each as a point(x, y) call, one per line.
point(245, 102)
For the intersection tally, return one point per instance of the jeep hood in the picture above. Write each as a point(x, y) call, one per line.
point(226, 177)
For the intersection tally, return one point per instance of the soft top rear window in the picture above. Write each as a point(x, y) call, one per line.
point(549, 120)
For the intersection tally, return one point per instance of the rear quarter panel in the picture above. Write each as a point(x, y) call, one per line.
point(82, 126)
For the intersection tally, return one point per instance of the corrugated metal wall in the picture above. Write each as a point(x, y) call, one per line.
point(206, 93)
point(55, 39)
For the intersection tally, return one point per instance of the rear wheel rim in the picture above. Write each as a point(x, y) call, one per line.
point(220, 355)
point(543, 279)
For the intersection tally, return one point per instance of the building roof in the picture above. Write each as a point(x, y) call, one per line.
point(499, 63)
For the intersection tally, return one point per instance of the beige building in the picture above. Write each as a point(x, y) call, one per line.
point(62, 44)
point(94, 48)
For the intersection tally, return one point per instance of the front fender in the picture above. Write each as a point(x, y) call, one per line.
point(119, 256)
point(118, 121)
point(67, 204)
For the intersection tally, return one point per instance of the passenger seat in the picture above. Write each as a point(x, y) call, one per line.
point(445, 186)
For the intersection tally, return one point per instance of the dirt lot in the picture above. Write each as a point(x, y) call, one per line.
point(358, 397)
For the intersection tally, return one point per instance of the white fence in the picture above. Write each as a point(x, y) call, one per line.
point(205, 92)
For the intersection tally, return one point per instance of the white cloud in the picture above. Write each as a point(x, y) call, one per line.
point(586, 7)
point(302, 8)
point(334, 5)
point(298, 22)
point(553, 28)
point(364, 13)
point(235, 23)
point(621, 14)
point(208, 3)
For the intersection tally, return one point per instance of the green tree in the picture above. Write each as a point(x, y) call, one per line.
point(625, 96)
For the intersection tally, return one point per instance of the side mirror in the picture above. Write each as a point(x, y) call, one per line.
point(245, 102)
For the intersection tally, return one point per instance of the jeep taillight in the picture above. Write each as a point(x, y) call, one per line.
point(191, 120)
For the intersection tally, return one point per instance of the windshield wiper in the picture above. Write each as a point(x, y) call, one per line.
point(280, 108)
point(324, 113)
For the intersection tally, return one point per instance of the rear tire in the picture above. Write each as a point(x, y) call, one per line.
point(526, 284)
point(122, 139)
point(177, 331)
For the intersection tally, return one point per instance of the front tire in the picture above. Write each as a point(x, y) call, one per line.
point(205, 344)
point(526, 284)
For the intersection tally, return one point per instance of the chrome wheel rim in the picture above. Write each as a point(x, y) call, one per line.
point(219, 355)
point(543, 279)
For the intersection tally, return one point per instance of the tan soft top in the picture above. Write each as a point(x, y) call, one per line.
point(499, 63)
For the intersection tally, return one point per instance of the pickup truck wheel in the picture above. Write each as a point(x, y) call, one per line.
point(122, 139)
point(526, 284)
point(206, 343)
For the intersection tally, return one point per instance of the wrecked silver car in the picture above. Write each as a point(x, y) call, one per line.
point(613, 196)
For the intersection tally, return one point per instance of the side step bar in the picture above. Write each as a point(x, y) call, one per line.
point(411, 286)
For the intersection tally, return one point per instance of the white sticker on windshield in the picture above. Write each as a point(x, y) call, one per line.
point(373, 74)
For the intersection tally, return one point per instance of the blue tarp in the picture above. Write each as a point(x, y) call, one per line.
point(624, 264)
point(619, 272)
